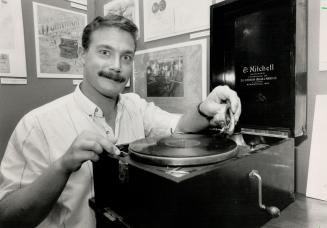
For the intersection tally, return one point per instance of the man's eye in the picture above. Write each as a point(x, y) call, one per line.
point(127, 58)
point(104, 52)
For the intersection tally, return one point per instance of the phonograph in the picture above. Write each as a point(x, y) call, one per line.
point(257, 47)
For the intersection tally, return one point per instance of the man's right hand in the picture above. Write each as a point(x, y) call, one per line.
point(86, 146)
point(28, 206)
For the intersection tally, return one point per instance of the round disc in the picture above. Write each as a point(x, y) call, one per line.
point(183, 150)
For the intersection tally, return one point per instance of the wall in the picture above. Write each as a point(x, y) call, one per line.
point(16, 100)
point(317, 84)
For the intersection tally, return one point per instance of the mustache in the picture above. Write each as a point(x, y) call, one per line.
point(112, 75)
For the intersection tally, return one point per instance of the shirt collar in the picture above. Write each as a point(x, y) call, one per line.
point(87, 105)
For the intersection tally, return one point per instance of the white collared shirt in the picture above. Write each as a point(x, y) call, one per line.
point(45, 134)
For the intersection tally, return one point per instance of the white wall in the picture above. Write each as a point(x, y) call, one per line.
point(317, 84)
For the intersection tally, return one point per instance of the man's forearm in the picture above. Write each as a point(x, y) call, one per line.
point(192, 122)
point(27, 207)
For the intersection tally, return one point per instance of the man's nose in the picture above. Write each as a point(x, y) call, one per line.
point(116, 64)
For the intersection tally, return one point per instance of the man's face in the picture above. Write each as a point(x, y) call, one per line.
point(108, 62)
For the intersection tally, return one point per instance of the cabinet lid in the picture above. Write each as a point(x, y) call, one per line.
point(253, 51)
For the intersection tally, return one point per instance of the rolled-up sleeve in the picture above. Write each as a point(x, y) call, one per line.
point(25, 157)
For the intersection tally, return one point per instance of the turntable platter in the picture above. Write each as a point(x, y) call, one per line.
point(183, 150)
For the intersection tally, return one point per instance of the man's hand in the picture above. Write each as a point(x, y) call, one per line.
point(28, 206)
point(86, 146)
point(218, 102)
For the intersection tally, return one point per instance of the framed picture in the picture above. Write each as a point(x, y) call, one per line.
point(323, 36)
point(58, 34)
point(12, 47)
point(174, 77)
point(126, 8)
point(166, 18)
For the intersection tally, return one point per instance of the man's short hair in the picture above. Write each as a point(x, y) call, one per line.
point(110, 20)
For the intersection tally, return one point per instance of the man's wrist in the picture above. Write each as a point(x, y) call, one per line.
point(60, 168)
point(202, 113)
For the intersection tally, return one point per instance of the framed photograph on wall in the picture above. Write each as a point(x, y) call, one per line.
point(174, 77)
point(126, 8)
point(323, 36)
point(58, 34)
point(166, 18)
point(12, 46)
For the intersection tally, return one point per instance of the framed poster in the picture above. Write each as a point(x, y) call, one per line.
point(173, 77)
point(126, 8)
point(165, 18)
point(323, 36)
point(58, 34)
point(12, 47)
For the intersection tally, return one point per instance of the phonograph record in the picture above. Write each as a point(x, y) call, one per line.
point(257, 47)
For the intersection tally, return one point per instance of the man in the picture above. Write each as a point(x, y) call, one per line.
point(46, 172)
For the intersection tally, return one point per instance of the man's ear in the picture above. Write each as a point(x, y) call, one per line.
point(83, 55)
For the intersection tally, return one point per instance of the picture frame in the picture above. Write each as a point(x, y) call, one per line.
point(58, 41)
point(174, 77)
point(167, 18)
point(126, 8)
point(12, 43)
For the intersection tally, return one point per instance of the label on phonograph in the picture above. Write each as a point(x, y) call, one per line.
point(262, 55)
point(258, 75)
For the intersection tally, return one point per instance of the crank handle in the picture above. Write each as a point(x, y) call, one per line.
point(271, 210)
